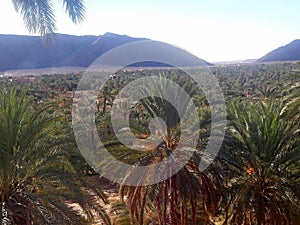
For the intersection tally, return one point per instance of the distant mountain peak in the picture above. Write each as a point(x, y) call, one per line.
point(289, 52)
point(109, 34)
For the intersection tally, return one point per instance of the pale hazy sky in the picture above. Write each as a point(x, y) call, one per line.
point(214, 30)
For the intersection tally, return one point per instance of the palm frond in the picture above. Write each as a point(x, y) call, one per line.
point(75, 9)
point(38, 16)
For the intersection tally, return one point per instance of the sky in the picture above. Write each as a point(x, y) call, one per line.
point(214, 30)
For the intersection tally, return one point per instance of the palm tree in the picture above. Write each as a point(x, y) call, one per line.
point(267, 91)
point(38, 182)
point(187, 197)
point(262, 153)
point(39, 16)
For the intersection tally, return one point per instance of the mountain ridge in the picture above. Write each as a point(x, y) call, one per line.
point(288, 52)
point(28, 52)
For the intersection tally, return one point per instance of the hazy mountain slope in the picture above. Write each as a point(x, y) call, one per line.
point(289, 52)
point(87, 53)
point(28, 52)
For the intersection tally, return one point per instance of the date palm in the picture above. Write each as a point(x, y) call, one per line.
point(262, 152)
point(37, 178)
point(186, 197)
point(39, 16)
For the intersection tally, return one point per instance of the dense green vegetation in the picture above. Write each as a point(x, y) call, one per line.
point(255, 178)
point(38, 171)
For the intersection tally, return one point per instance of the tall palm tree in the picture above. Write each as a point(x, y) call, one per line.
point(39, 16)
point(187, 197)
point(262, 151)
point(38, 182)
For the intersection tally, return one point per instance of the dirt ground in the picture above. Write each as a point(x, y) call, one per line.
point(110, 190)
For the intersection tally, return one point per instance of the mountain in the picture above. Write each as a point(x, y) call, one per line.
point(289, 52)
point(28, 52)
